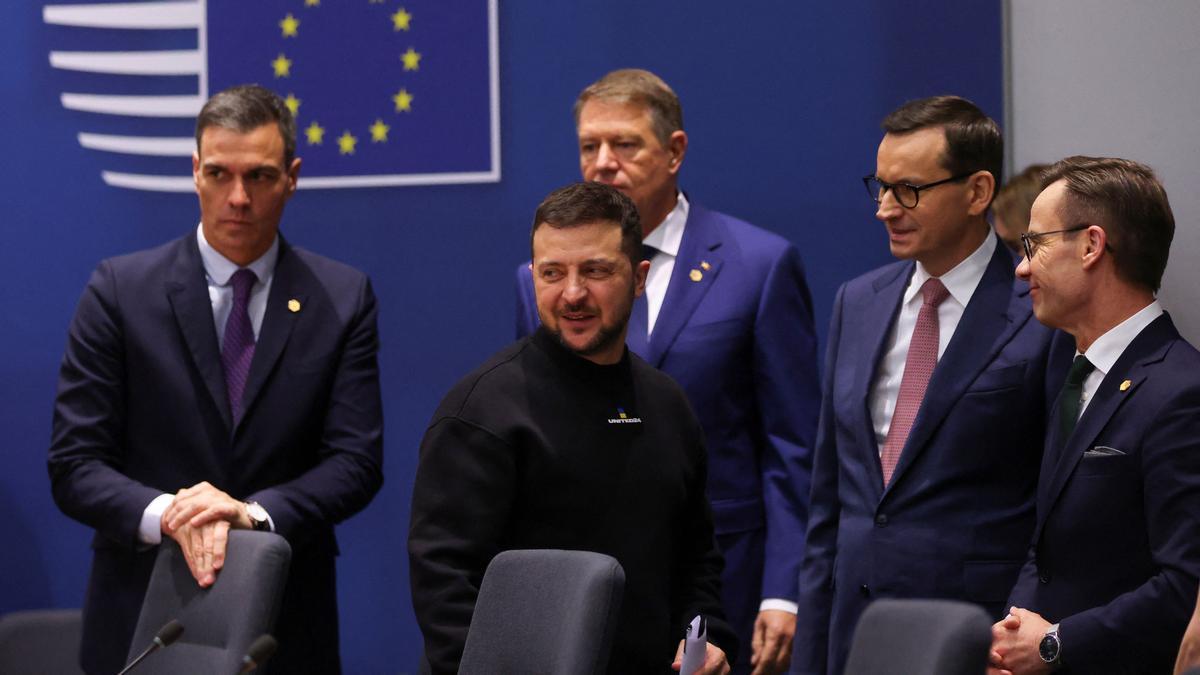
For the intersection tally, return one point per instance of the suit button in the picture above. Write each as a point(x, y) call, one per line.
point(1045, 578)
point(866, 592)
point(881, 520)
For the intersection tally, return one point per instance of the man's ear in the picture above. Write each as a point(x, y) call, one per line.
point(982, 185)
point(1097, 246)
point(640, 271)
point(677, 147)
point(293, 173)
point(196, 170)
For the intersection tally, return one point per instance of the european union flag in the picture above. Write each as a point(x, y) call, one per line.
point(385, 92)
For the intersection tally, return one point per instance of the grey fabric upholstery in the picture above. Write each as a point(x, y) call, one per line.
point(219, 622)
point(919, 637)
point(545, 611)
point(41, 642)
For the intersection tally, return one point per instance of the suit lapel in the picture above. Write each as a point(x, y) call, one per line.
point(1148, 348)
point(187, 291)
point(889, 291)
point(278, 321)
point(991, 317)
point(689, 281)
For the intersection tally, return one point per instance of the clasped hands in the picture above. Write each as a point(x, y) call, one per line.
point(1016, 641)
point(199, 520)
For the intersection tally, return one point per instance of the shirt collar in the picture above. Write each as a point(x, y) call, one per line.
point(1104, 352)
point(219, 268)
point(668, 235)
point(962, 280)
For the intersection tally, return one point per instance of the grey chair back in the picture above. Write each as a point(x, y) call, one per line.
point(41, 642)
point(545, 611)
point(221, 621)
point(920, 637)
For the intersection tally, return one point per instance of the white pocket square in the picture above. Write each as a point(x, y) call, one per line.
point(1102, 451)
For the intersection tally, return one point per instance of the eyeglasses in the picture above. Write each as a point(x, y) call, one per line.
point(906, 193)
point(1031, 240)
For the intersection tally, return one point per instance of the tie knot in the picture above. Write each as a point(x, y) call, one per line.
point(648, 252)
point(933, 291)
point(242, 281)
point(1080, 369)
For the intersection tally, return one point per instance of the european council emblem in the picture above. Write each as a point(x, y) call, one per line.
point(385, 92)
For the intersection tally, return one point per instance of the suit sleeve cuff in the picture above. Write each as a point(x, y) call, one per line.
point(150, 529)
point(779, 604)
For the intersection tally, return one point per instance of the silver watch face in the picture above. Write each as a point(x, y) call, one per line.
point(1050, 648)
point(256, 512)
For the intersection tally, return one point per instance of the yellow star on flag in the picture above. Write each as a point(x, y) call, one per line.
point(289, 24)
point(312, 3)
point(379, 132)
point(315, 133)
point(293, 104)
point(346, 143)
point(403, 101)
point(282, 66)
point(412, 59)
point(401, 20)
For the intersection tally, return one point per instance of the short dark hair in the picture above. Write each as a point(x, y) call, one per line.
point(1013, 201)
point(591, 202)
point(245, 108)
point(973, 140)
point(640, 87)
point(1127, 200)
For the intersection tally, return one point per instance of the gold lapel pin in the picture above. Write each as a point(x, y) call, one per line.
point(695, 275)
point(705, 266)
point(1126, 385)
point(293, 305)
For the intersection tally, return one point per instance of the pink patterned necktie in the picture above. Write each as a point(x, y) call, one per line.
point(237, 349)
point(918, 368)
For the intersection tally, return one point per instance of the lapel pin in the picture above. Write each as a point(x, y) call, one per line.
point(1126, 385)
point(293, 305)
point(705, 266)
point(695, 275)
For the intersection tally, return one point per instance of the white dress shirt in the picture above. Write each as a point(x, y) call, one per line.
point(1104, 352)
point(666, 238)
point(217, 271)
point(961, 282)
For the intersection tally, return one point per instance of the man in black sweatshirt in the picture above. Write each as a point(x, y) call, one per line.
point(567, 440)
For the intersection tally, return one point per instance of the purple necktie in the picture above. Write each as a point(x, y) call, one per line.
point(238, 348)
point(918, 368)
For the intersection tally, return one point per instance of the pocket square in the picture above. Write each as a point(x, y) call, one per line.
point(1102, 451)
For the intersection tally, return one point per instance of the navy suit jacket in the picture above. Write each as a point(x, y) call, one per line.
point(740, 342)
point(1116, 552)
point(141, 409)
point(956, 518)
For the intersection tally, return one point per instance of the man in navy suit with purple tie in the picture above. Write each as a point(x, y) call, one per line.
point(225, 379)
point(934, 395)
point(728, 315)
point(1112, 571)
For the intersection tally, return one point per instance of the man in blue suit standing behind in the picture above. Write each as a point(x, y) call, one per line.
point(728, 315)
point(933, 395)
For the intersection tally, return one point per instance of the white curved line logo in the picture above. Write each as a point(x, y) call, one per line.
point(392, 109)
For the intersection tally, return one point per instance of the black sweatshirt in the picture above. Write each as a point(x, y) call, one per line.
point(540, 448)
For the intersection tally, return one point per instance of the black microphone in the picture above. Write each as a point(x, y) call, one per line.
point(165, 636)
point(261, 649)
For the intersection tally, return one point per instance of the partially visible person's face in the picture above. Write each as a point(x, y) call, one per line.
point(585, 286)
point(618, 147)
point(1055, 274)
point(243, 186)
point(935, 232)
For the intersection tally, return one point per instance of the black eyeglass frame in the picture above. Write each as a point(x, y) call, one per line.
point(1031, 239)
point(877, 195)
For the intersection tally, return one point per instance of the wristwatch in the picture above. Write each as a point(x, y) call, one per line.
point(1051, 648)
point(258, 517)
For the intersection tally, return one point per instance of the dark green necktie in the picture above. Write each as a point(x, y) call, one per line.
point(1072, 392)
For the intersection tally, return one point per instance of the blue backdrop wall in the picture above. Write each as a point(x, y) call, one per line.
point(782, 103)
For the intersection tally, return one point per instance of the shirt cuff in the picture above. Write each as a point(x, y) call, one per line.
point(779, 604)
point(150, 529)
